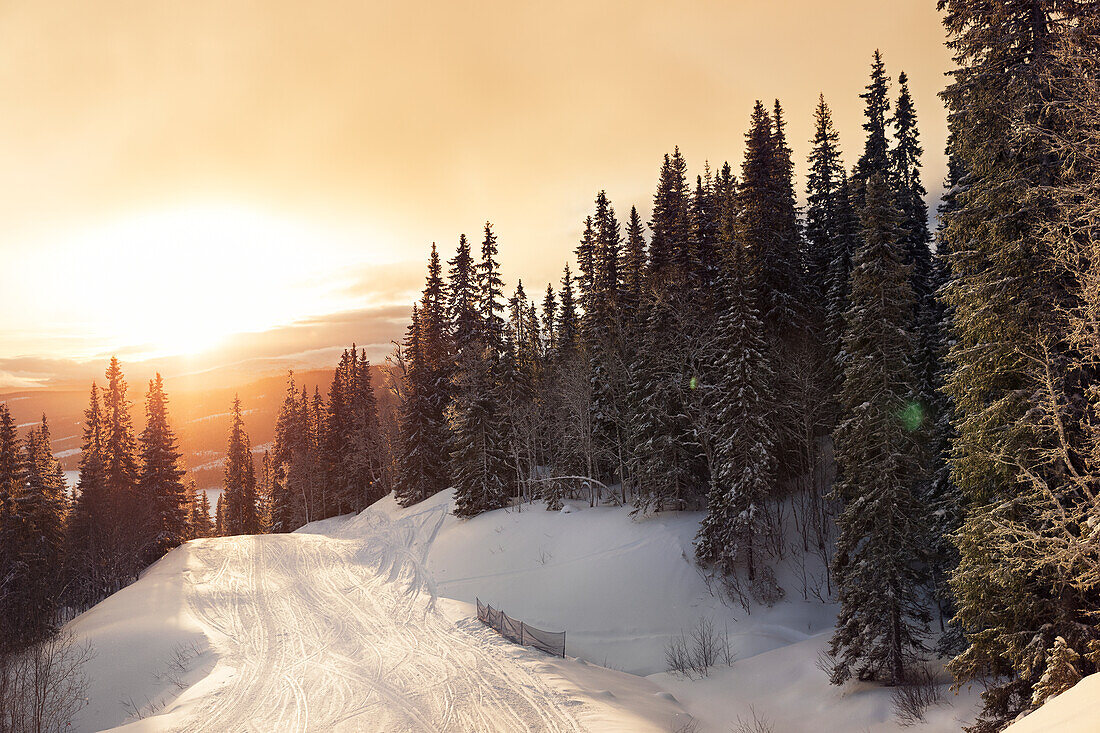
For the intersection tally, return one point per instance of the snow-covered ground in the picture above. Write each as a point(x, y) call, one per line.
point(367, 623)
point(1074, 711)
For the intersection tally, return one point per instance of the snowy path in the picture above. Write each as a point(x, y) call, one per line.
point(317, 632)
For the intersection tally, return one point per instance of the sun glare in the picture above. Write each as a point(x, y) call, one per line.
point(184, 280)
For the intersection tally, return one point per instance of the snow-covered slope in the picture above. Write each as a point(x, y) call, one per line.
point(366, 623)
point(1074, 711)
point(336, 628)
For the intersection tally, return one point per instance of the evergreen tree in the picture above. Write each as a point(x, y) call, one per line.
point(744, 478)
point(1016, 402)
point(878, 564)
point(823, 188)
point(239, 504)
point(365, 461)
point(876, 157)
point(289, 456)
point(160, 486)
point(121, 470)
point(1060, 674)
point(568, 327)
point(40, 509)
point(201, 520)
point(92, 540)
point(422, 470)
point(11, 489)
point(491, 291)
point(219, 517)
point(462, 296)
point(549, 320)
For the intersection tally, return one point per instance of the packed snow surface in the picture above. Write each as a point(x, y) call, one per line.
point(1074, 711)
point(366, 623)
point(334, 628)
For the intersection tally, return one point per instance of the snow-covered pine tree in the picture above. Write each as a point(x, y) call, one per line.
point(878, 566)
point(239, 505)
point(568, 324)
point(289, 452)
point(741, 400)
point(422, 469)
point(1060, 672)
point(11, 487)
point(826, 171)
point(365, 459)
point(121, 470)
point(201, 521)
point(876, 155)
point(160, 487)
point(671, 467)
point(89, 561)
point(219, 516)
point(40, 511)
point(1019, 399)
point(336, 439)
point(827, 254)
point(480, 468)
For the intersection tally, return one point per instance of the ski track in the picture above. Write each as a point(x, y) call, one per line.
point(340, 633)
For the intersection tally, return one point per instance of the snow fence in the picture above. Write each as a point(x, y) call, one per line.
point(551, 642)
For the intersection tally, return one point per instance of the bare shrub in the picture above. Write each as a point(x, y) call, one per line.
point(43, 686)
point(694, 652)
point(765, 588)
point(825, 661)
point(755, 723)
point(914, 696)
point(684, 723)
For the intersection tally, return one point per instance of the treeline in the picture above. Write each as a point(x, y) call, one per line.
point(724, 362)
point(713, 366)
point(328, 458)
point(62, 552)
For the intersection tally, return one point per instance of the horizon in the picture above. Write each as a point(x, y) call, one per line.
point(192, 205)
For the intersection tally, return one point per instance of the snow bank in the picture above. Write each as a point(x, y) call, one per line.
point(147, 645)
point(1074, 711)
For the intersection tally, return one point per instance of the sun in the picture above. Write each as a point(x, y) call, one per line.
point(188, 278)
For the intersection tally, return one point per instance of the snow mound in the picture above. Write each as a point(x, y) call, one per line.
point(1074, 711)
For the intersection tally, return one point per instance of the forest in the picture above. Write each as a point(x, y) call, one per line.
point(920, 407)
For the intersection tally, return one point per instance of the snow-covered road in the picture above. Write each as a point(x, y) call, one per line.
point(321, 632)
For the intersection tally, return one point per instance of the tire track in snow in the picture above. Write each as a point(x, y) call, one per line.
point(341, 633)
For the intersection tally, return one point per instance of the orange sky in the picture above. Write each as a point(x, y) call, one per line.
point(275, 162)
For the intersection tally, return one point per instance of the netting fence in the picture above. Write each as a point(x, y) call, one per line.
point(551, 642)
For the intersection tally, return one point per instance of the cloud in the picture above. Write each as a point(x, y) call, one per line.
point(309, 343)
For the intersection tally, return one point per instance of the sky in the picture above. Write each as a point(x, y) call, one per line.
point(255, 183)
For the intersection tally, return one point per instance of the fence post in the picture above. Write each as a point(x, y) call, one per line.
point(521, 627)
point(563, 645)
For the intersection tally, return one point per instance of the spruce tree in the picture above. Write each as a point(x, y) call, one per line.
point(741, 398)
point(40, 511)
point(876, 156)
point(1016, 400)
point(11, 489)
point(422, 471)
point(823, 186)
point(238, 500)
point(878, 564)
point(160, 486)
point(201, 520)
point(121, 470)
point(92, 530)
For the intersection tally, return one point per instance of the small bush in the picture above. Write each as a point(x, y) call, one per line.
point(43, 686)
point(694, 652)
point(755, 723)
point(914, 696)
